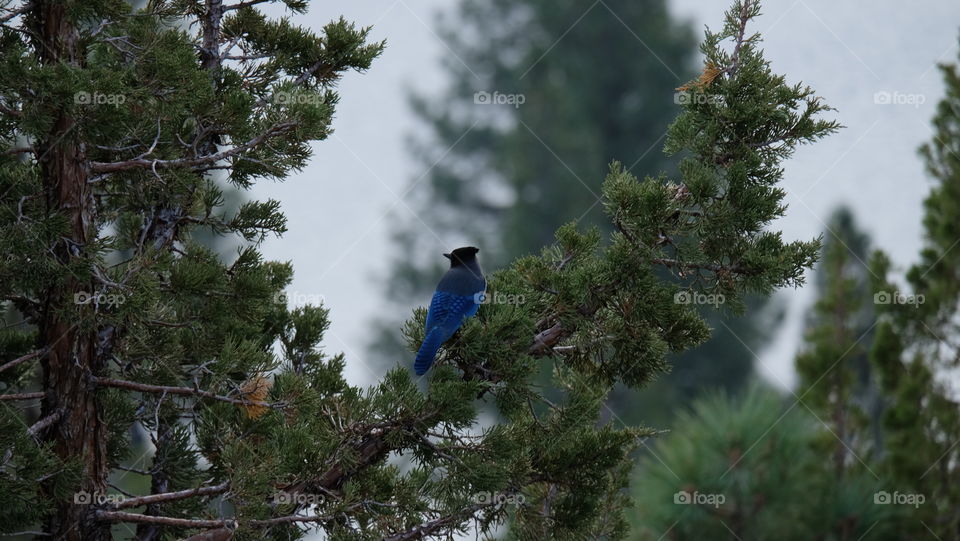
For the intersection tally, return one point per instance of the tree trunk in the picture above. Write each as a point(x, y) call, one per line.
point(79, 434)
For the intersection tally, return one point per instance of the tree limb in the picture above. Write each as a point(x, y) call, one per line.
point(183, 391)
point(21, 396)
point(142, 163)
point(23, 359)
point(172, 496)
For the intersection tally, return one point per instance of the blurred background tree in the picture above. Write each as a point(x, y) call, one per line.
point(917, 347)
point(748, 468)
point(504, 177)
point(867, 445)
point(836, 384)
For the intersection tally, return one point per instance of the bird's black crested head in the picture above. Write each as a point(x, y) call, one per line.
point(462, 256)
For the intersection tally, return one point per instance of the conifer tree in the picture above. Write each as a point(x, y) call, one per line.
point(836, 384)
point(114, 123)
point(916, 344)
point(752, 467)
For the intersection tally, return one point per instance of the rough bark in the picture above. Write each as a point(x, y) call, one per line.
point(79, 433)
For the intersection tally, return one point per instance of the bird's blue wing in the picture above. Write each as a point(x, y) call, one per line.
point(448, 310)
point(445, 315)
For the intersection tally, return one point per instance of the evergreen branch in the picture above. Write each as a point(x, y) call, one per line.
point(23, 359)
point(34, 429)
point(311, 71)
point(371, 449)
point(748, 10)
point(198, 162)
point(172, 496)
point(429, 528)
point(183, 391)
point(713, 267)
point(21, 396)
point(544, 341)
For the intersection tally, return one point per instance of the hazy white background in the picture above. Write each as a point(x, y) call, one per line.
point(338, 207)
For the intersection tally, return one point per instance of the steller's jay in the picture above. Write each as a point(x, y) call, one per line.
point(458, 296)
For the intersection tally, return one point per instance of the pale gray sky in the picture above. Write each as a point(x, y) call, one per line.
point(338, 207)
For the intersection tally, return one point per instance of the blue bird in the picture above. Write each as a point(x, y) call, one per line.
point(458, 296)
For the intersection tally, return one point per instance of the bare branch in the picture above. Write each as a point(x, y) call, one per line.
point(21, 396)
point(198, 162)
point(122, 516)
point(172, 496)
point(429, 528)
point(244, 4)
point(36, 427)
point(23, 359)
point(182, 391)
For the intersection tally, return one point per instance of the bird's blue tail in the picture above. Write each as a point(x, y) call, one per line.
point(428, 351)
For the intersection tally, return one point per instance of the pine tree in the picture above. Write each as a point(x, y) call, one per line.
point(836, 384)
point(916, 343)
point(751, 467)
point(114, 123)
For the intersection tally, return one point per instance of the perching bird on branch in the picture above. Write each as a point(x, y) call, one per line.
point(458, 296)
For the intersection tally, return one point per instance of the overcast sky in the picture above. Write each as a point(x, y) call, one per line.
point(339, 207)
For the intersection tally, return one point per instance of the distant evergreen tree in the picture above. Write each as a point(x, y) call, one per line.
point(112, 125)
point(597, 83)
point(751, 468)
point(916, 350)
point(836, 383)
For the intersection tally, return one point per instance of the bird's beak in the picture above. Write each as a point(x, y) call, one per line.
point(446, 256)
